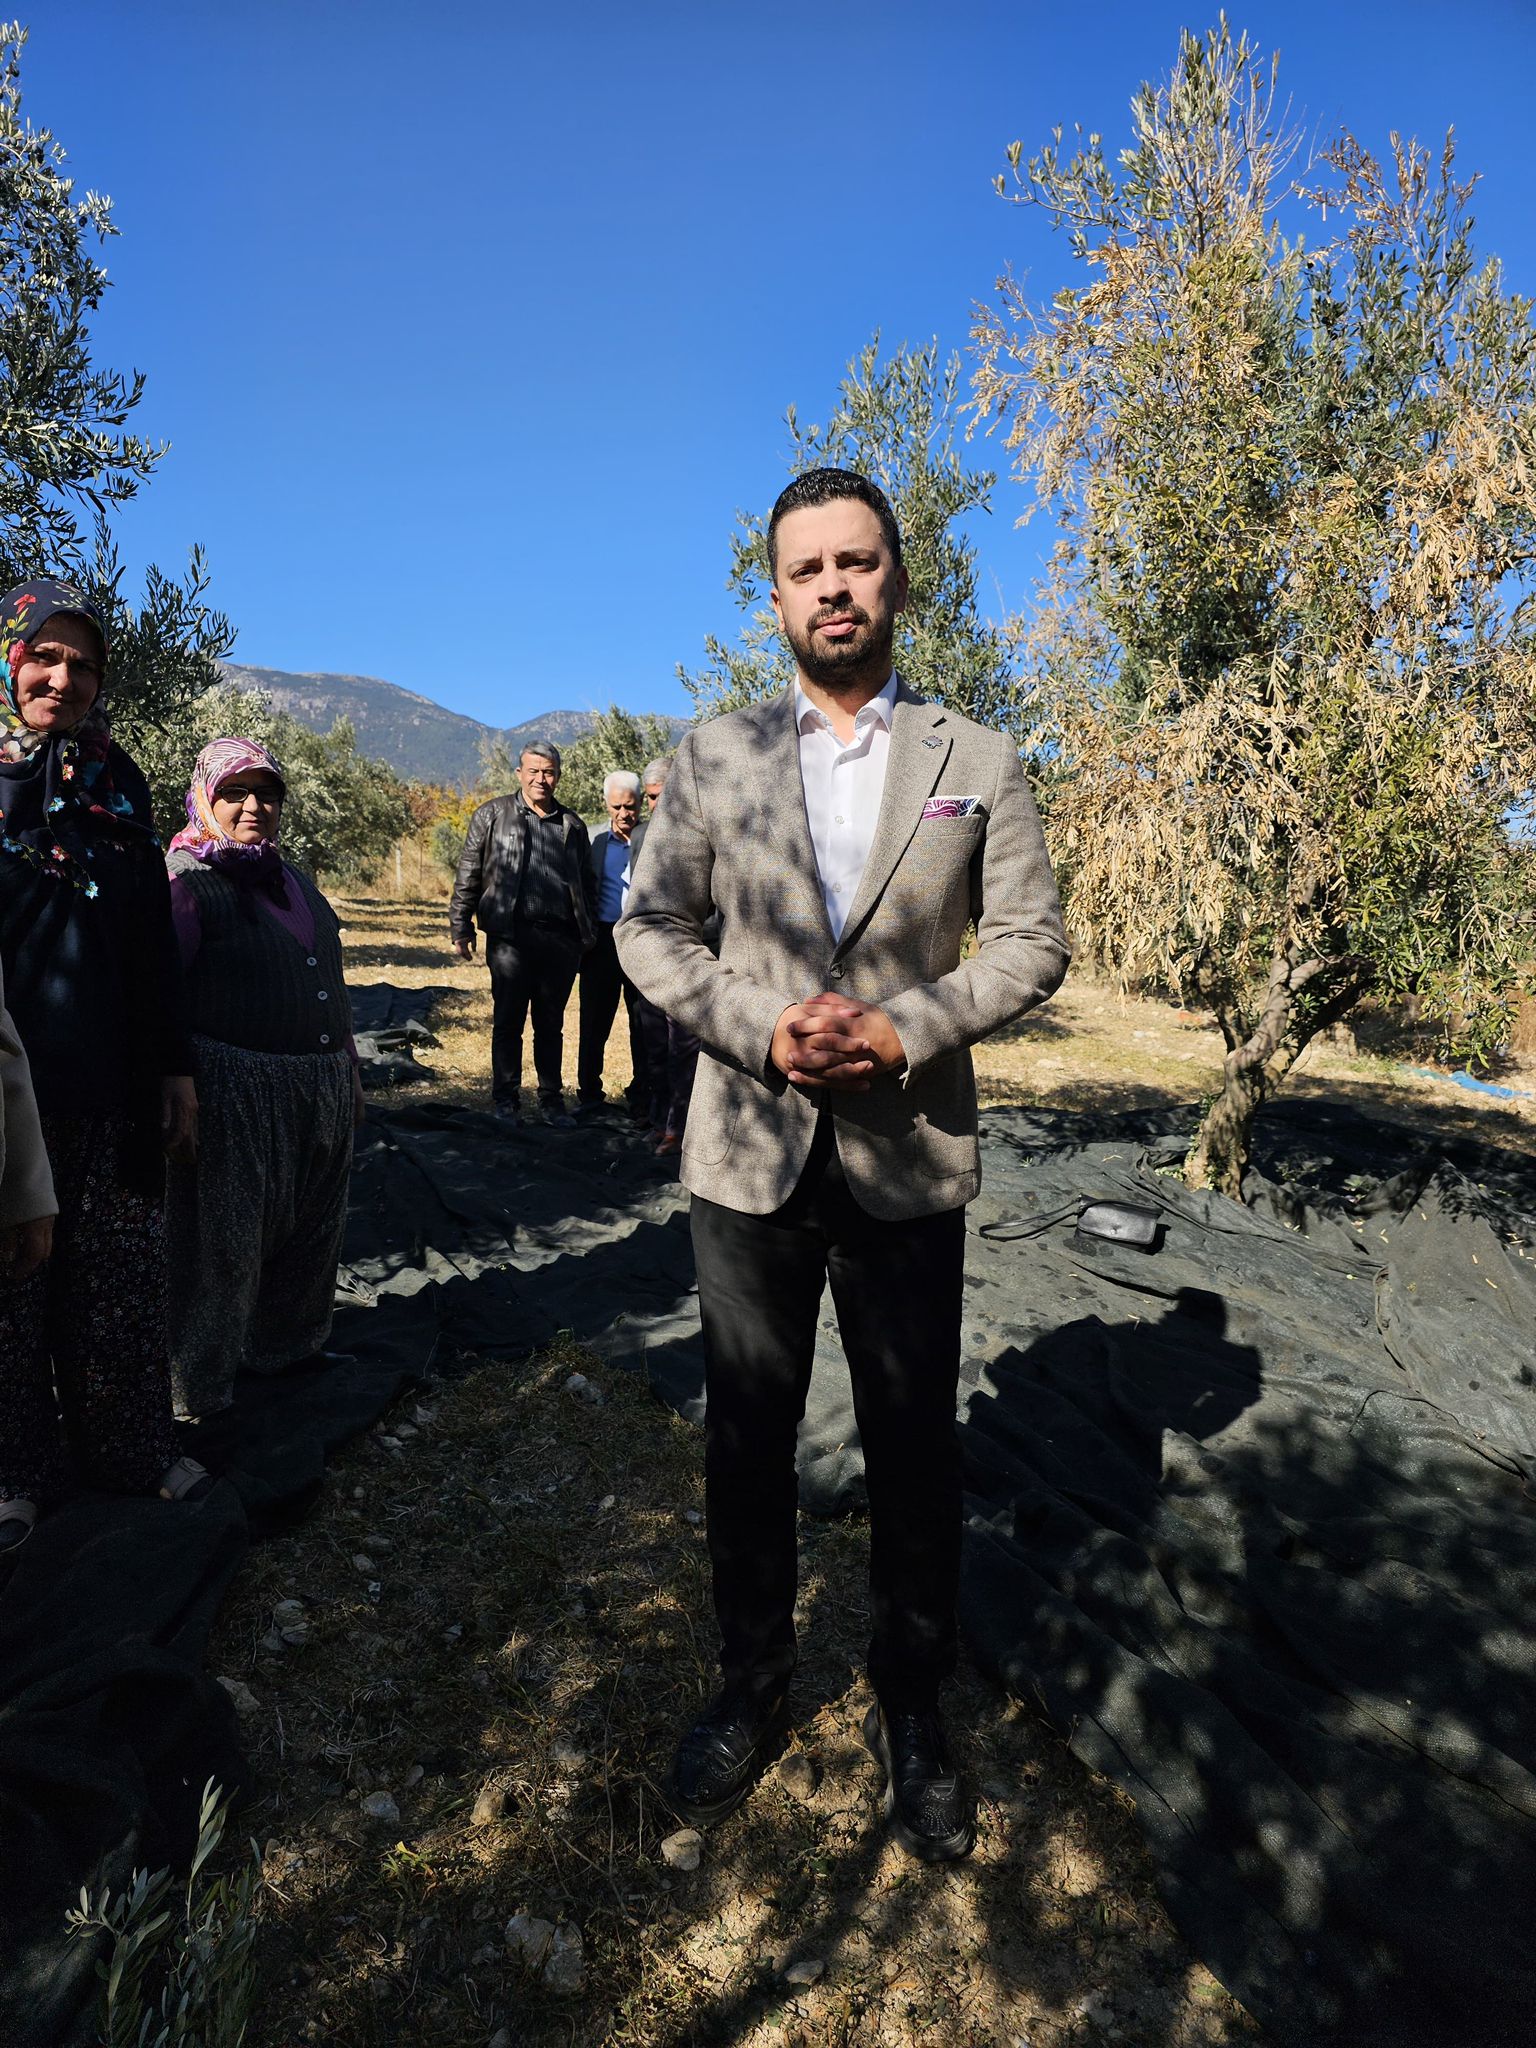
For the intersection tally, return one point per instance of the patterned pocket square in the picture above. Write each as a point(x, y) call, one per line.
point(951, 806)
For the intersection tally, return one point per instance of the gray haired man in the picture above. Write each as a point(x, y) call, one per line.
point(525, 879)
point(652, 780)
point(614, 849)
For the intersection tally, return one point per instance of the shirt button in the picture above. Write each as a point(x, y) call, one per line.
point(837, 821)
point(325, 1038)
point(324, 996)
point(311, 961)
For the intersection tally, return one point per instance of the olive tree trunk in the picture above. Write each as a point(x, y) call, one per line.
point(1259, 1056)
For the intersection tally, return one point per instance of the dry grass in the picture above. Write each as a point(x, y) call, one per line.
point(1089, 1049)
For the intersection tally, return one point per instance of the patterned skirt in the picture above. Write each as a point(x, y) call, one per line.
point(255, 1227)
point(83, 1339)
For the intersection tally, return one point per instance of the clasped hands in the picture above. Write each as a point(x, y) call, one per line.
point(835, 1042)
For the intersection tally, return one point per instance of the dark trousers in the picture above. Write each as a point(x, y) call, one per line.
point(602, 983)
point(671, 1058)
point(896, 1288)
point(532, 968)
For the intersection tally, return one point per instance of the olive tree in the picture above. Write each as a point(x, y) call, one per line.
point(618, 739)
point(1285, 660)
point(67, 455)
point(897, 421)
point(343, 814)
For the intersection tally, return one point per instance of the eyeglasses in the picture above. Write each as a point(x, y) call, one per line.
point(237, 794)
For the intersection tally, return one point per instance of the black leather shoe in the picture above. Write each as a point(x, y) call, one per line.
point(723, 1754)
point(931, 1811)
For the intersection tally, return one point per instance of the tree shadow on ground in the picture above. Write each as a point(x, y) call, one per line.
point(1292, 1624)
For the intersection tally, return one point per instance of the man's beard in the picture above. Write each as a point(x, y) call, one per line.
point(863, 656)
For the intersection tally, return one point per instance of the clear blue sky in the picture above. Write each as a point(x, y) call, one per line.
point(471, 326)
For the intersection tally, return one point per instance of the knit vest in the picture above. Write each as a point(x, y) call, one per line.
point(252, 984)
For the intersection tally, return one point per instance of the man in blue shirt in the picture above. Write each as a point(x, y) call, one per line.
point(613, 849)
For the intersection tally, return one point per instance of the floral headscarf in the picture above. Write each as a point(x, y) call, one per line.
point(56, 789)
point(205, 838)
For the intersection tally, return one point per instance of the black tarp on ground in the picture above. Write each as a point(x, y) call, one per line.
point(388, 1024)
point(1246, 1517)
point(462, 1238)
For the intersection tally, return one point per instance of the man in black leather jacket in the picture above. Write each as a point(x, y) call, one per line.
point(525, 879)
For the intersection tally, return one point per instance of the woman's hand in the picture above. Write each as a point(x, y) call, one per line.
point(178, 1118)
point(24, 1248)
point(359, 1101)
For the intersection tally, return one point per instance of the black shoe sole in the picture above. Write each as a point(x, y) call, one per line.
point(699, 1815)
point(926, 1848)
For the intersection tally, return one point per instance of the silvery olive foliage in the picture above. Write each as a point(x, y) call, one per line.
point(897, 422)
point(1284, 670)
point(177, 1958)
point(68, 456)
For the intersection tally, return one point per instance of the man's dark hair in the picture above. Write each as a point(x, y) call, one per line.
point(823, 487)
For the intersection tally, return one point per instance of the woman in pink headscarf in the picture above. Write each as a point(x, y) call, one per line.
point(255, 1225)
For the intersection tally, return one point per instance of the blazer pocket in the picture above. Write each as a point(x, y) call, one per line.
point(712, 1112)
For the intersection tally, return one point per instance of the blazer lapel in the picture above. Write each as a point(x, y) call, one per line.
point(912, 770)
point(784, 807)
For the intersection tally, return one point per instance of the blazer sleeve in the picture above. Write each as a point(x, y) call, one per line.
point(1021, 951)
point(469, 881)
point(26, 1184)
point(661, 937)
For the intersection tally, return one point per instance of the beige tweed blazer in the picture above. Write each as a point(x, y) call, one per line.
point(731, 833)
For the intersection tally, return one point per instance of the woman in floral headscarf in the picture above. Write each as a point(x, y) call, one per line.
point(256, 1222)
point(94, 985)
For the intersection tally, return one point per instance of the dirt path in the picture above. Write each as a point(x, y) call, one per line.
point(506, 1610)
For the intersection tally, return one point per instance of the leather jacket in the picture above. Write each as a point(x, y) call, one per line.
point(491, 869)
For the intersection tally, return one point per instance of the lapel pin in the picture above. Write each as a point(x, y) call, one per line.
point(933, 740)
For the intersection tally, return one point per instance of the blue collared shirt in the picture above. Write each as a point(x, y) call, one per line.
point(614, 886)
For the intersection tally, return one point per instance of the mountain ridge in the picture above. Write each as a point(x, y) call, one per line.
point(422, 740)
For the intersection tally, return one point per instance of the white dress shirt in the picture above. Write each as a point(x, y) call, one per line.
point(843, 785)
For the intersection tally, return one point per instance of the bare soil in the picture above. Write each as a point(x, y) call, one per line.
point(506, 1593)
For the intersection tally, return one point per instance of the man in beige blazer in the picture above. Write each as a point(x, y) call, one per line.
point(849, 836)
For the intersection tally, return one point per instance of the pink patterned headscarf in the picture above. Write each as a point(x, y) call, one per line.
point(204, 837)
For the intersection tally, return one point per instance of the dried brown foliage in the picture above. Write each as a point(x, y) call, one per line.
point(1284, 666)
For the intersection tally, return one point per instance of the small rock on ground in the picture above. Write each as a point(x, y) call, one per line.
point(492, 1803)
point(798, 1775)
point(565, 1965)
point(683, 1850)
point(381, 1806)
point(808, 1970)
point(245, 1700)
point(528, 1939)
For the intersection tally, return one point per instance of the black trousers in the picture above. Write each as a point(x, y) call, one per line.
point(896, 1288)
point(532, 968)
point(602, 983)
point(671, 1060)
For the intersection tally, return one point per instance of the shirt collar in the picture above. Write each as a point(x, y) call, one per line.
point(878, 711)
